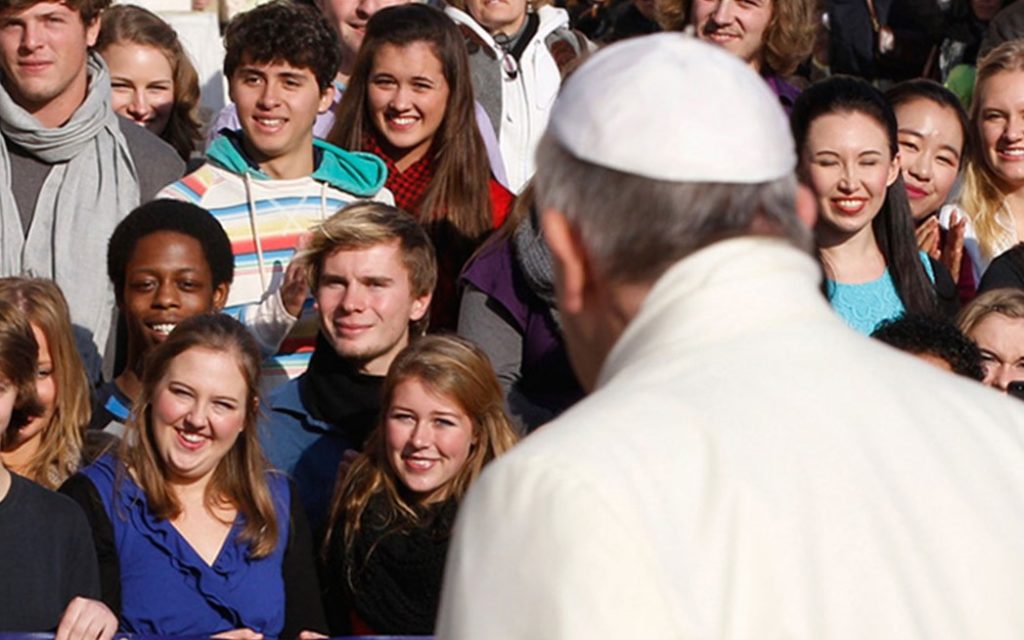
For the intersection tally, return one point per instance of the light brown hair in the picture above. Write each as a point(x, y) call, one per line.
point(18, 353)
point(1006, 302)
point(59, 454)
point(240, 477)
point(788, 38)
point(135, 25)
point(450, 367)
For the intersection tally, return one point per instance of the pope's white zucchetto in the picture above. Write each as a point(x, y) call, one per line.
point(669, 107)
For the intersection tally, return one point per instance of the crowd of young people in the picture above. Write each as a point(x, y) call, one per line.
point(258, 416)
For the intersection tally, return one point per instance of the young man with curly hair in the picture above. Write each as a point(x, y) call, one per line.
point(70, 168)
point(772, 36)
point(271, 180)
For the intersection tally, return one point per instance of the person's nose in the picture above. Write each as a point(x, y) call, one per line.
point(167, 295)
point(920, 167)
point(723, 12)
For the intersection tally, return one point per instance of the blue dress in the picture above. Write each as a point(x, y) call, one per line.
point(864, 306)
point(167, 589)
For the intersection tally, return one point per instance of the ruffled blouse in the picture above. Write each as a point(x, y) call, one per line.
point(167, 589)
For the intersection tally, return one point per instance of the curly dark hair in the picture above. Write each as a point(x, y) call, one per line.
point(179, 217)
point(929, 335)
point(283, 31)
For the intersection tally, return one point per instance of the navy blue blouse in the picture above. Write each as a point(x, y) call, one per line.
point(167, 589)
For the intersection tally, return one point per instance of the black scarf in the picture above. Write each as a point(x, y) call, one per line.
point(333, 391)
point(397, 567)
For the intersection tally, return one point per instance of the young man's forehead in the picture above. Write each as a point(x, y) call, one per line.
point(277, 67)
point(42, 7)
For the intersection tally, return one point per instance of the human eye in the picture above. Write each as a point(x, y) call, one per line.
point(189, 285)
point(401, 415)
point(383, 81)
point(53, 18)
point(992, 116)
point(908, 145)
point(948, 160)
point(44, 372)
point(144, 285)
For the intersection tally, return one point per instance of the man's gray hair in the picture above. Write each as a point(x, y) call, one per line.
point(636, 227)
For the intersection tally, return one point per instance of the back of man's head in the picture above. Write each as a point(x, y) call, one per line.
point(662, 145)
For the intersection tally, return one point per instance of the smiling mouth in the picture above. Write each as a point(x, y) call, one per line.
point(161, 328)
point(915, 192)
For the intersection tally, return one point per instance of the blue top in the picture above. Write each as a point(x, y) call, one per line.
point(866, 305)
point(305, 448)
point(167, 589)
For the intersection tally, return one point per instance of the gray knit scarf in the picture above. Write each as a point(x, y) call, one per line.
point(90, 188)
point(534, 258)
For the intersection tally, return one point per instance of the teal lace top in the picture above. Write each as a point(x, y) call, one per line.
point(864, 306)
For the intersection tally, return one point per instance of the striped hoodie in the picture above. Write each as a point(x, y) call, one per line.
point(264, 218)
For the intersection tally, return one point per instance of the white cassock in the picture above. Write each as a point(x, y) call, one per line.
point(749, 467)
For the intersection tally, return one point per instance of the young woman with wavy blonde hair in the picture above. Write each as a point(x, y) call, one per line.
point(993, 190)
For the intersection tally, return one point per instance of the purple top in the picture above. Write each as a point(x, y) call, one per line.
point(786, 92)
point(547, 378)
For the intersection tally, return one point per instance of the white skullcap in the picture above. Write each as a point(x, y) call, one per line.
point(669, 107)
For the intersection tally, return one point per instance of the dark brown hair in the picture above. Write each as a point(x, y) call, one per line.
point(459, 193)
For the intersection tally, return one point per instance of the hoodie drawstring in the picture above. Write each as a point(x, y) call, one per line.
point(255, 231)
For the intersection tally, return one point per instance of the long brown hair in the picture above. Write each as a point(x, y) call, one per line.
point(240, 477)
point(450, 367)
point(135, 25)
point(18, 353)
point(459, 193)
point(60, 446)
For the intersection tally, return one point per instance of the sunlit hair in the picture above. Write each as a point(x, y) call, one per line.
point(924, 89)
point(240, 477)
point(18, 353)
point(60, 445)
point(456, 370)
point(788, 38)
point(1006, 302)
point(128, 24)
point(458, 198)
point(368, 224)
point(893, 225)
point(88, 10)
point(981, 198)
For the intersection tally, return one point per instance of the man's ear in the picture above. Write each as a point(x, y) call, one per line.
point(220, 296)
point(806, 205)
point(572, 268)
point(420, 306)
point(92, 32)
point(326, 98)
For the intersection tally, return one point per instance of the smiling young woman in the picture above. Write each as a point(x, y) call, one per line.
point(153, 81)
point(933, 140)
point(194, 533)
point(384, 553)
point(993, 192)
point(410, 102)
point(846, 137)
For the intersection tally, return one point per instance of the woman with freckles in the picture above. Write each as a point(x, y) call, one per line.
point(195, 535)
point(846, 137)
point(393, 511)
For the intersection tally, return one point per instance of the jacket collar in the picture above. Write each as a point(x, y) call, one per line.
point(731, 288)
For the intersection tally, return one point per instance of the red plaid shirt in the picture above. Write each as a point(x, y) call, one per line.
point(408, 186)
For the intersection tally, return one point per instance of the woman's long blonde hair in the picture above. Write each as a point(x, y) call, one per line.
point(453, 368)
point(60, 446)
point(981, 199)
point(240, 478)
